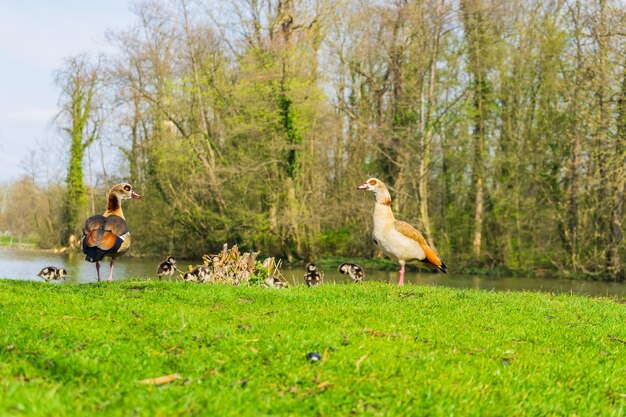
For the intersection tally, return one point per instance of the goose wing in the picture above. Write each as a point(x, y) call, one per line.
point(412, 233)
point(104, 236)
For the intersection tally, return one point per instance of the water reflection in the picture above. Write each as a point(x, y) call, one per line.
point(25, 264)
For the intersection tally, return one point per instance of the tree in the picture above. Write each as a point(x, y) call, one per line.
point(78, 81)
point(478, 41)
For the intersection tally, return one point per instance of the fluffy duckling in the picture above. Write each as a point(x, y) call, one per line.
point(273, 282)
point(189, 276)
point(312, 276)
point(61, 274)
point(202, 272)
point(47, 273)
point(107, 234)
point(397, 239)
point(167, 267)
point(52, 273)
point(353, 270)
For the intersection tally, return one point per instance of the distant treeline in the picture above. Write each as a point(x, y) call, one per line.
point(499, 126)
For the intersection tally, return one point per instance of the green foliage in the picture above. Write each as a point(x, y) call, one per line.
point(259, 136)
point(75, 200)
point(335, 242)
point(73, 350)
point(259, 275)
point(78, 82)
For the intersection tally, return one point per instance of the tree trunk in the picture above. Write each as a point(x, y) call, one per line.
point(475, 34)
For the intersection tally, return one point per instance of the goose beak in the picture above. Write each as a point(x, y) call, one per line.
point(362, 187)
point(135, 195)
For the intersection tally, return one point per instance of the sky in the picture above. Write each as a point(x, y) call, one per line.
point(35, 38)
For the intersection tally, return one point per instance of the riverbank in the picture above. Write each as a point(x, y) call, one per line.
point(96, 349)
point(332, 262)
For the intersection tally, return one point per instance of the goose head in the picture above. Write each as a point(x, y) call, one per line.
point(123, 191)
point(379, 189)
point(371, 185)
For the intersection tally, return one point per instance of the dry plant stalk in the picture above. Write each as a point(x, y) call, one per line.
point(232, 267)
point(160, 380)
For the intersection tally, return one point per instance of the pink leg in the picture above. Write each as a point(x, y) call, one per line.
point(98, 270)
point(401, 282)
point(112, 264)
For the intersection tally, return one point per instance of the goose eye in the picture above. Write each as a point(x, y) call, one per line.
point(372, 182)
point(127, 187)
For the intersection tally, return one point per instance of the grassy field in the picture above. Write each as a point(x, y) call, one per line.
point(69, 350)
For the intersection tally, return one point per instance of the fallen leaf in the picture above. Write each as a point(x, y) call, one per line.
point(360, 361)
point(253, 350)
point(323, 385)
point(376, 333)
point(243, 382)
point(76, 317)
point(160, 380)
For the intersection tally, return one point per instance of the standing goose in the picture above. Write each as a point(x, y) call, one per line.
point(107, 234)
point(397, 239)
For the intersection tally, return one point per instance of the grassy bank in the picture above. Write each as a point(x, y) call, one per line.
point(14, 242)
point(70, 350)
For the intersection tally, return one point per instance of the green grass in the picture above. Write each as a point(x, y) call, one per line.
point(73, 350)
point(5, 240)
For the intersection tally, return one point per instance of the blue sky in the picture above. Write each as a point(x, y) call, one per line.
point(35, 37)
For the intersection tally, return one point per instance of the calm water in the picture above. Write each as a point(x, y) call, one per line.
point(25, 264)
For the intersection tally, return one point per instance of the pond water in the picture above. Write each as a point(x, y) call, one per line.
point(25, 264)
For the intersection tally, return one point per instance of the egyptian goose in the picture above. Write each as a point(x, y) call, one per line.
point(353, 271)
point(312, 276)
point(107, 234)
point(397, 239)
point(167, 267)
point(52, 273)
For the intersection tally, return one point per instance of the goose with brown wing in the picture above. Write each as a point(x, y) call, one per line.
point(107, 234)
point(397, 239)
